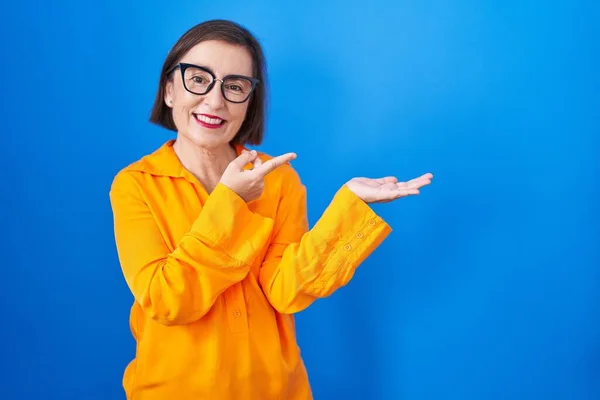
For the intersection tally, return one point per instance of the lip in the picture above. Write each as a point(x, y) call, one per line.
point(206, 124)
point(210, 116)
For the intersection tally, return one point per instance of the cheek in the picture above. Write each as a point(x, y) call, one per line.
point(183, 103)
point(238, 112)
point(181, 97)
point(181, 110)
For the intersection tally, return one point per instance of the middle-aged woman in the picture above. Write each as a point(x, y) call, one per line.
point(213, 238)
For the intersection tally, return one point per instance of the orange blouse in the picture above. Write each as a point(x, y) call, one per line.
point(216, 280)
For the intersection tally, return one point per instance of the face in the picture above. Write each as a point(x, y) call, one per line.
point(209, 121)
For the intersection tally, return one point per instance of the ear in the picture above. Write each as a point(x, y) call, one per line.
point(169, 93)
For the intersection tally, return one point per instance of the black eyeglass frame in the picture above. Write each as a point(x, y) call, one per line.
point(183, 66)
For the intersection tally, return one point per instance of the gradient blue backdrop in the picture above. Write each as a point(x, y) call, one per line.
point(489, 286)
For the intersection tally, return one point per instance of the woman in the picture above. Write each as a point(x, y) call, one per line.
point(213, 239)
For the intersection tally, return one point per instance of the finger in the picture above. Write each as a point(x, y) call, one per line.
point(388, 186)
point(420, 183)
point(368, 181)
point(274, 163)
point(404, 192)
point(424, 177)
point(377, 181)
point(385, 196)
point(243, 159)
point(257, 163)
point(428, 175)
point(414, 183)
point(387, 179)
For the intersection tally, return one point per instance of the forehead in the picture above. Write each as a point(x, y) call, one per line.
point(221, 57)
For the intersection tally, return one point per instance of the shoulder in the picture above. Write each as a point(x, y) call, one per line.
point(128, 177)
point(126, 187)
point(125, 180)
point(131, 176)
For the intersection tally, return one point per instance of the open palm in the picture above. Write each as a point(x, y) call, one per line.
point(383, 190)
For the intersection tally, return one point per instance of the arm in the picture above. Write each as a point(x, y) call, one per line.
point(180, 286)
point(301, 265)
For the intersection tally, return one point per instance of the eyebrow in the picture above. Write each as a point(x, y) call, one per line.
point(205, 67)
point(213, 72)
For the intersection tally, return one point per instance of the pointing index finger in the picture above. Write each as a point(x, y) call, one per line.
point(274, 163)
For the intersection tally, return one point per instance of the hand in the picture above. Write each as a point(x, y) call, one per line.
point(384, 190)
point(249, 184)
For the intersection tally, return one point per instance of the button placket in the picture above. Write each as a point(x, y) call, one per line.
point(236, 308)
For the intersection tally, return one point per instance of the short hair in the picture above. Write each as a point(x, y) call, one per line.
point(252, 129)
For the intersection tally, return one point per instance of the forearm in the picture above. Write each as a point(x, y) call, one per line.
point(326, 257)
point(181, 286)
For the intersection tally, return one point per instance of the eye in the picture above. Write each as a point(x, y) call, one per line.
point(237, 85)
point(198, 79)
point(234, 88)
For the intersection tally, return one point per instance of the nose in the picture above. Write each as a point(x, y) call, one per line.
point(214, 98)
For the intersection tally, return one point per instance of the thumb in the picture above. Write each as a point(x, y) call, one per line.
point(243, 159)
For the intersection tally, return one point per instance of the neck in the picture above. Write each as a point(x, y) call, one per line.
point(206, 164)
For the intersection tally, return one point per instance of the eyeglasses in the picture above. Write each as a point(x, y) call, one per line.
point(200, 80)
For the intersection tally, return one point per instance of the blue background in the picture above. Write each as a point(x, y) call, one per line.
point(489, 286)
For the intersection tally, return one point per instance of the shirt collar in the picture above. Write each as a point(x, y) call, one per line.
point(164, 162)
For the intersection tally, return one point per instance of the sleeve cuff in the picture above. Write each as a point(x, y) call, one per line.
point(228, 223)
point(349, 220)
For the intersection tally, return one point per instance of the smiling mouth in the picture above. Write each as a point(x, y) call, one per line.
point(209, 121)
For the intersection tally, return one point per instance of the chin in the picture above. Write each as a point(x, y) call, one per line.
point(208, 139)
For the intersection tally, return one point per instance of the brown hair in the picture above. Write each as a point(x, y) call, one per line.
point(252, 129)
